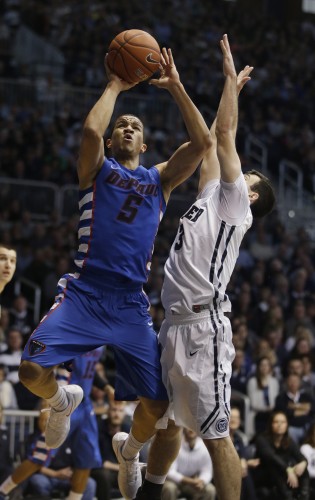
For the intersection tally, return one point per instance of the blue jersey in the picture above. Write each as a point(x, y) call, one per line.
point(83, 371)
point(119, 219)
point(83, 436)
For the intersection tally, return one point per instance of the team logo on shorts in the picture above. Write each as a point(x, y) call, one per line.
point(36, 347)
point(222, 425)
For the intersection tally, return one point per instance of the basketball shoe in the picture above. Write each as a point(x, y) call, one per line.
point(129, 475)
point(58, 424)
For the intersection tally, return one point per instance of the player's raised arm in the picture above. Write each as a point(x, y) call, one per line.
point(210, 166)
point(91, 154)
point(187, 157)
point(227, 118)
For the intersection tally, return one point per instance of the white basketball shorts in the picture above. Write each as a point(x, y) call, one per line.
point(196, 358)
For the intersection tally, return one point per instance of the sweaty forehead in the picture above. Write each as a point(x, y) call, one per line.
point(5, 252)
point(133, 120)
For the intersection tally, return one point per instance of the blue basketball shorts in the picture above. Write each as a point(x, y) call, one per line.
point(83, 438)
point(84, 317)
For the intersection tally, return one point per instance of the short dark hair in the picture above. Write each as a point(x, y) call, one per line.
point(266, 200)
point(7, 247)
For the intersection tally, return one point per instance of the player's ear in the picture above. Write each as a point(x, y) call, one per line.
point(253, 196)
point(143, 149)
point(108, 143)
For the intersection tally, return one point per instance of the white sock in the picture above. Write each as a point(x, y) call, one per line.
point(155, 479)
point(7, 485)
point(59, 401)
point(131, 447)
point(74, 496)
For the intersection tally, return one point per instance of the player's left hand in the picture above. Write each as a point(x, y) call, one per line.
point(228, 63)
point(243, 77)
point(169, 74)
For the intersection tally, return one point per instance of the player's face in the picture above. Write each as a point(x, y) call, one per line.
point(251, 180)
point(127, 135)
point(7, 265)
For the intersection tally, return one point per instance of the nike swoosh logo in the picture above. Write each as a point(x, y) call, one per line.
point(150, 59)
point(114, 167)
point(193, 353)
point(150, 323)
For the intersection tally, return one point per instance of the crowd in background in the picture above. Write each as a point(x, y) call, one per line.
point(272, 289)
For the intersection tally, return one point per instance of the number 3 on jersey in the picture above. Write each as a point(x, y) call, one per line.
point(180, 236)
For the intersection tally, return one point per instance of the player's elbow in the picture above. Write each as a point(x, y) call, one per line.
point(203, 144)
point(224, 133)
point(91, 133)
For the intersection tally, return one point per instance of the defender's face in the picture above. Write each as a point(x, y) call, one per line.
point(7, 265)
point(127, 135)
point(251, 180)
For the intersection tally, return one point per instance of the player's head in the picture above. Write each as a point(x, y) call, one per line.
point(127, 136)
point(261, 193)
point(7, 264)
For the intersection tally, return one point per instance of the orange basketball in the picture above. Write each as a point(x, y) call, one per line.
point(134, 55)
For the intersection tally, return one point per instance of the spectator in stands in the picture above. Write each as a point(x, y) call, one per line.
point(283, 468)
point(262, 390)
point(299, 318)
point(308, 450)
point(4, 328)
point(308, 374)
point(21, 318)
point(240, 372)
point(190, 475)
point(297, 405)
point(295, 366)
point(6, 465)
point(7, 394)
point(273, 333)
point(11, 357)
point(243, 450)
point(108, 426)
point(58, 476)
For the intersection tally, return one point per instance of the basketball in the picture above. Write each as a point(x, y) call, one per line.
point(134, 55)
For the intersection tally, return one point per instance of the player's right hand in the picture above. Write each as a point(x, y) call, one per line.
point(112, 77)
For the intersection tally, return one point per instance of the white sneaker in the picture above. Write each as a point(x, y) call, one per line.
point(58, 424)
point(129, 475)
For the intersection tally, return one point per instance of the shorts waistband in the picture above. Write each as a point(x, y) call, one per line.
point(182, 319)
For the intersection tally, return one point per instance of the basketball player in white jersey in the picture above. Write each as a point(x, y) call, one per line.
point(7, 266)
point(196, 336)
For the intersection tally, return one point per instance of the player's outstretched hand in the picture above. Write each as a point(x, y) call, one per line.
point(243, 77)
point(169, 74)
point(228, 63)
point(112, 77)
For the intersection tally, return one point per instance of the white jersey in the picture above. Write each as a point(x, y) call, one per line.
point(204, 253)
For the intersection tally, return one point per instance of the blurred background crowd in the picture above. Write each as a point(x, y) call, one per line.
point(51, 72)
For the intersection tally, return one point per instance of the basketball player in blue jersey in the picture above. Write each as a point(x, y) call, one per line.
point(121, 204)
point(83, 436)
point(196, 336)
